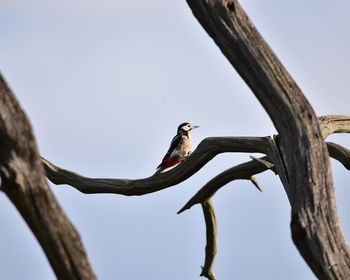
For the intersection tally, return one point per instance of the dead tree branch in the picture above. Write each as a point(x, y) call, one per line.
point(210, 248)
point(334, 124)
point(339, 153)
point(316, 229)
point(242, 171)
point(206, 150)
point(248, 169)
point(23, 181)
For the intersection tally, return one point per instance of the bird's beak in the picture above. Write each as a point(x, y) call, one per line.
point(195, 126)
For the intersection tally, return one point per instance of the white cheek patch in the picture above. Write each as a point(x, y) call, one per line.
point(187, 128)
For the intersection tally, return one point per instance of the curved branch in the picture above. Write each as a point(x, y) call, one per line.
point(248, 169)
point(242, 171)
point(23, 181)
point(339, 153)
point(206, 150)
point(210, 248)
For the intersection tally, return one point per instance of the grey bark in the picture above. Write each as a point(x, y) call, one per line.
point(315, 226)
point(23, 181)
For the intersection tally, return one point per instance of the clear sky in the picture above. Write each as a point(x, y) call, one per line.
point(106, 83)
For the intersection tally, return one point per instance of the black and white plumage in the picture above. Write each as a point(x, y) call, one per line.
point(179, 148)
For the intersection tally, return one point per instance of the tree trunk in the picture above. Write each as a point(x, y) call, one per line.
point(23, 180)
point(315, 225)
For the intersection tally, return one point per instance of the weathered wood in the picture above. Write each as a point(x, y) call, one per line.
point(210, 247)
point(23, 180)
point(339, 153)
point(316, 230)
point(334, 124)
point(243, 171)
point(206, 150)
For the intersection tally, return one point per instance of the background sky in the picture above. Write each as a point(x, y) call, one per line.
point(106, 83)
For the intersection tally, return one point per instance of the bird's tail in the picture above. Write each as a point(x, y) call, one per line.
point(159, 170)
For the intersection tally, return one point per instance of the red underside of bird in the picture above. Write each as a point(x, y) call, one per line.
point(169, 162)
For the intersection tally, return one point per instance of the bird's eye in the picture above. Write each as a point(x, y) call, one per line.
point(189, 125)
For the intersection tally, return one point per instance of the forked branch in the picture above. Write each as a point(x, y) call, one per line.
point(206, 151)
point(242, 171)
point(316, 229)
point(248, 169)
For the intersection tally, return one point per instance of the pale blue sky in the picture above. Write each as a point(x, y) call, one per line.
point(105, 85)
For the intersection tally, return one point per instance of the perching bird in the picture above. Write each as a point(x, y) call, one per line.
point(179, 148)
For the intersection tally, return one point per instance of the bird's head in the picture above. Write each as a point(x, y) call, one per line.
point(186, 127)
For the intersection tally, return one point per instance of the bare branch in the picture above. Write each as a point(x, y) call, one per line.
point(23, 181)
point(249, 169)
point(243, 171)
point(210, 248)
point(334, 124)
point(206, 150)
point(339, 153)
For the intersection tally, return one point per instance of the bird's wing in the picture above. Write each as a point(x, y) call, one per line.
point(174, 143)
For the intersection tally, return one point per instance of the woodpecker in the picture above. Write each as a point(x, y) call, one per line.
point(179, 148)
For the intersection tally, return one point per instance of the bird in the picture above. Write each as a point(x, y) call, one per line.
point(179, 148)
